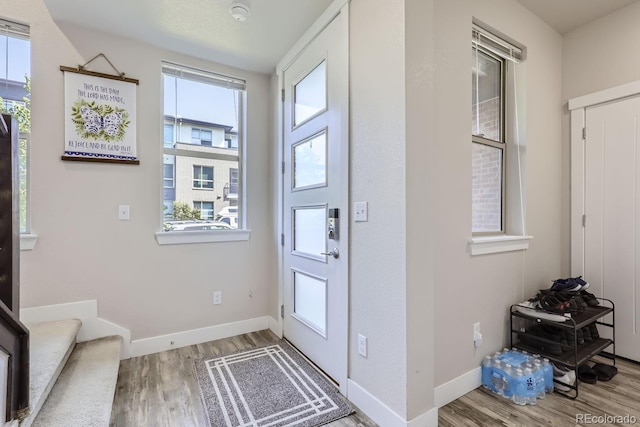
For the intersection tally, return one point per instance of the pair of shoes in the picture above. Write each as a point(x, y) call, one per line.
point(572, 284)
point(587, 374)
point(604, 372)
point(544, 339)
point(579, 336)
point(589, 298)
point(586, 333)
point(593, 331)
point(564, 375)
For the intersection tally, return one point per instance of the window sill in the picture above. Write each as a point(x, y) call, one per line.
point(28, 241)
point(497, 244)
point(186, 237)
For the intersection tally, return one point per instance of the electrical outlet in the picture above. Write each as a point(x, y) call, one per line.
point(217, 297)
point(123, 212)
point(362, 345)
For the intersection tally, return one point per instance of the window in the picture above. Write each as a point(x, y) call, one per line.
point(488, 145)
point(205, 208)
point(490, 115)
point(201, 137)
point(203, 114)
point(203, 177)
point(169, 138)
point(15, 99)
point(168, 175)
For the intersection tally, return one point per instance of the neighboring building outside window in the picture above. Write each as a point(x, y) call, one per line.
point(169, 181)
point(15, 94)
point(205, 208)
point(169, 137)
point(203, 177)
point(201, 137)
point(202, 112)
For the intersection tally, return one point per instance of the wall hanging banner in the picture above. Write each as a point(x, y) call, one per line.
point(100, 117)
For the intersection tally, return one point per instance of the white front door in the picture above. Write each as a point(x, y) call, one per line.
point(315, 153)
point(612, 209)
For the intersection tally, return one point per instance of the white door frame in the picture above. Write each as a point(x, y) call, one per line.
point(577, 107)
point(334, 9)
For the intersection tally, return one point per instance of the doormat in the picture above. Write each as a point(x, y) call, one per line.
point(270, 386)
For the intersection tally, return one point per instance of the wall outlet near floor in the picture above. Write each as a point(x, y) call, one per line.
point(362, 345)
point(217, 297)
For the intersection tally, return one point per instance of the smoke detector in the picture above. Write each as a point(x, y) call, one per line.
point(239, 11)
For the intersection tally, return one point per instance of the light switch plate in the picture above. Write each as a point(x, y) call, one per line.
point(360, 212)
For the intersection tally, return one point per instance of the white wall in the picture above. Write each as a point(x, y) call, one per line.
point(84, 252)
point(481, 288)
point(377, 247)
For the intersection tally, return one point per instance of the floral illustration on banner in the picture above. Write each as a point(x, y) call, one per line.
point(99, 122)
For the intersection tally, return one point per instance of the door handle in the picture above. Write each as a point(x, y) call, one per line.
point(334, 253)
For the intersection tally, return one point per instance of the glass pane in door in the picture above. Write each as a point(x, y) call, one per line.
point(309, 230)
point(310, 94)
point(310, 162)
point(310, 301)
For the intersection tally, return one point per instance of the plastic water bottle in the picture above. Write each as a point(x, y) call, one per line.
point(530, 386)
point(508, 389)
point(519, 395)
point(538, 374)
point(548, 375)
point(497, 378)
point(487, 370)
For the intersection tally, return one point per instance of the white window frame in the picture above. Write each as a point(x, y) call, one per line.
point(201, 180)
point(28, 239)
point(211, 236)
point(514, 237)
point(200, 202)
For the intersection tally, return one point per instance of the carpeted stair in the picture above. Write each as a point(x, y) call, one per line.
point(70, 385)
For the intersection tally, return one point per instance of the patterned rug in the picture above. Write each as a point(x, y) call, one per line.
point(271, 386)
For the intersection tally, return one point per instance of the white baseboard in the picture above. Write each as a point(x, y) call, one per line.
point(382, 414)
point(93, 327)
point(457, 387)
point(275, 326)
point(160, 343)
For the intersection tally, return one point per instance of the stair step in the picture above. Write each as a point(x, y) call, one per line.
point(50, 344)
point(83, 394)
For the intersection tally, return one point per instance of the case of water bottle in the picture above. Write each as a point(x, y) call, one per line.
point(517, 376)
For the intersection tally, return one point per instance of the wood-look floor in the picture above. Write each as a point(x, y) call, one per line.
point(617, 397)
point(160, 390)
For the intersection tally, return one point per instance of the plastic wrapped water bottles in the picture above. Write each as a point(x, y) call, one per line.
point(517, 376)
point(519, 395)
point(548, 375)
point(538, 374)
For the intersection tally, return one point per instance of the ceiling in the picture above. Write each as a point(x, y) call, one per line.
point(200, 28)
point(567, 15)
point(205, 28)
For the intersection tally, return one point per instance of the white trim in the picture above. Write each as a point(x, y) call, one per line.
point(93, 327)
point(49, 313)
point(382, 414)
point(275, 326)
point(28, 241)
point(606, 95)
point(496, 244)
point(578, 122)
point(160, 343)
point(325, 19)
point(457, 387)
point(184, 237)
